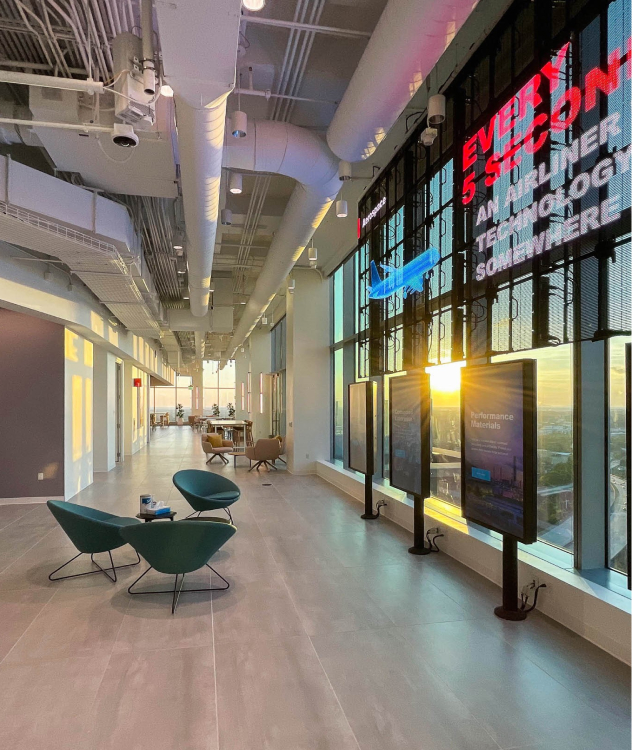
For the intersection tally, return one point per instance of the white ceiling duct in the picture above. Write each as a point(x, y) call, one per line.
point(406, 44)
point(200, 142)
point(285, 149)
point(199, 43)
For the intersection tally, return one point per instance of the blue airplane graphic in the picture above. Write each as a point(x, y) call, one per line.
point(410, 277)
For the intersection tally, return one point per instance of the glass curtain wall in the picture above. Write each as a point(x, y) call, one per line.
point(219, 388)
point(578, 290)
point(164, 399)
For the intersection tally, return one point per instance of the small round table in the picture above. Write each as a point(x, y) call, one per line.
point(148, 517)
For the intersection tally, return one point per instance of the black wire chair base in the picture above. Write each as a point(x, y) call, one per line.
point(262, 463)
point(216, 455)
point(112, 569)
point(177, 591)
point(199, 513)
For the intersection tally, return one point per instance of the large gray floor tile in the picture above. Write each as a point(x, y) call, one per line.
point(511, 696)
point(156, 700)
point(327, 602)
point(254, 610)
point(45, 706)
point(275, 695)
point(18, 609)
point(392, 699)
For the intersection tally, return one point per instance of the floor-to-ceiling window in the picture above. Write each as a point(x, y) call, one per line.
point(219, 387)
point(617, 460)
point(165, 399)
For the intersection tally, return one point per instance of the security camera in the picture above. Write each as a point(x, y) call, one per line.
point(124, 135)
point(428, 136)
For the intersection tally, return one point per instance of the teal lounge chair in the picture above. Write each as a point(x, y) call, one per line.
point(91, 531)
point(177, 549)
point(204, 490)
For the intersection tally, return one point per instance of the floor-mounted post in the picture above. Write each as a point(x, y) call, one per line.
point(419, 532)
point(510, 609)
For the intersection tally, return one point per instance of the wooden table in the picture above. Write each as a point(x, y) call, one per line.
point(148, 517)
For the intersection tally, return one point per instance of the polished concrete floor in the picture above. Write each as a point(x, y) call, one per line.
point(331, 637)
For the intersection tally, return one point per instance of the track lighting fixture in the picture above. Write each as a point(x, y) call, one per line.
point(341, 209)
point(235, 183)
point(227, 217)
point(436, 109)
point(239, 124)
point(344, 171)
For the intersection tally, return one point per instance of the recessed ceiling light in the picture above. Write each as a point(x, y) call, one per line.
point(235, 185)
point(254, 4)
point(181, 271)
point(177, 247)
point(166, 90)
point(242, 303)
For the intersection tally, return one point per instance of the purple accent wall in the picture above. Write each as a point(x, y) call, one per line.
point(31, 406)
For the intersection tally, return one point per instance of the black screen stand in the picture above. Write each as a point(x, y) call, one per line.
point(510, 609)
point(419, 547)
point(368, 514)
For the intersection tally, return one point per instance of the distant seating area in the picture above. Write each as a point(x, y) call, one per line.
point(264, 452)
point(214, 445)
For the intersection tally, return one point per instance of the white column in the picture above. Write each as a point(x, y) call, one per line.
point(308, 372)
point(260, 363)
point(104, 410)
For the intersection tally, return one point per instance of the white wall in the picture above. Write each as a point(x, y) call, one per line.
point(260, 362)
point(104, 410)
point(78, 448)
point(135, 409)
point(308, 372)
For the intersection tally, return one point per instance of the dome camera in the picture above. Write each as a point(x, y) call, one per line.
point(428, 136)
point(124, 135)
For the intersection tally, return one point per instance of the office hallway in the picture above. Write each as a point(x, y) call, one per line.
point(331, 637)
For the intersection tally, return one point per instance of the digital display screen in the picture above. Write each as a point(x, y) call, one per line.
point(358, 428)
point(409, 406)
point(498, 447)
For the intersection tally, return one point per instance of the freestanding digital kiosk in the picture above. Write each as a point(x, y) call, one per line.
point(498, 461)
point(362, 401)
point(409, 445)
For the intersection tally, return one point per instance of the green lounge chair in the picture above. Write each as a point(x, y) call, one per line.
point(177, 549)
point(91, 531)
point(204, 490)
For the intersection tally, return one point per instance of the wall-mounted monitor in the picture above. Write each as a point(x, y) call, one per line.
point(409, 433)
point(362, 403)
point(498, 447)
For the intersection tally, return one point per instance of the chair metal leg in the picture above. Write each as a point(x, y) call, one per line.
point(256, 466)
point(92, 572)
point(175, 591)
point(230, 517)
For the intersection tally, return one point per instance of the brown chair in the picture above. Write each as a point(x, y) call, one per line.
point(264, 452)
point(192, 421)
point(249, 438)
point(215, 445)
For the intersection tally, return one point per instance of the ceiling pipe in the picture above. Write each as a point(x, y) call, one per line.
point(406, 44)
point(281, 148)
point(201, 141)
point(199, 42)
point(52, 82)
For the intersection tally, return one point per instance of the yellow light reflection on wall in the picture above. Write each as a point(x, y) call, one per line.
point(87, 353)
point(77, 417)
point(71, 346)
point(96, 323)
point(88, 410)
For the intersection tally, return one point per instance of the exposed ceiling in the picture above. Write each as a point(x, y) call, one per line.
point(305, 72)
